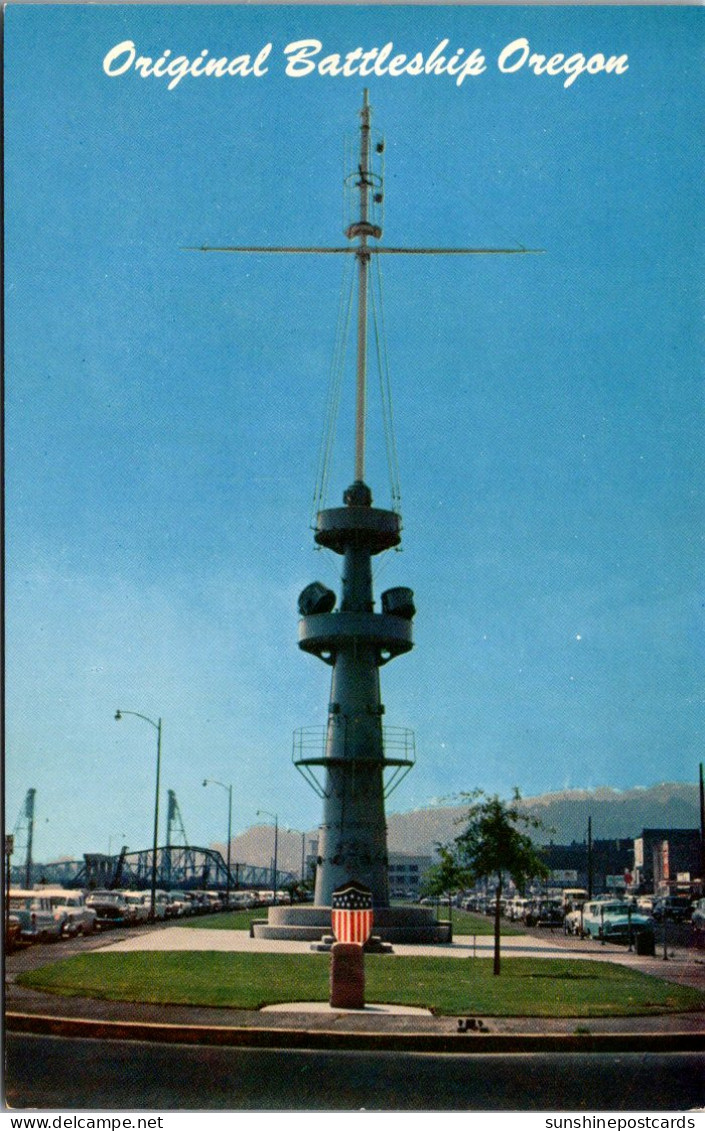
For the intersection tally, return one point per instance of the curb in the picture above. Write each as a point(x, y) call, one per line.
point(471, 1042)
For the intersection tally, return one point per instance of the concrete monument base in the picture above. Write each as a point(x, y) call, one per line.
point(374, 945)
point(308, 923)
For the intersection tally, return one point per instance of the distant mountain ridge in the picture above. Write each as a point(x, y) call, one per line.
point(616, 814)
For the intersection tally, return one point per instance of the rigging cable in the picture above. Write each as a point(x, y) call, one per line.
point(385, 386)
point(335, 383)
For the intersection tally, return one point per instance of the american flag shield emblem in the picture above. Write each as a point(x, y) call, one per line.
point(351, 913)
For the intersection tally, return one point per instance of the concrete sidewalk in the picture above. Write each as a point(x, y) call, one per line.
point(203, 938)
point(682, 967)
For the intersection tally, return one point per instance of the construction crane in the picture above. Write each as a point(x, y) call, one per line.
point(24, 832)
point(174, 823)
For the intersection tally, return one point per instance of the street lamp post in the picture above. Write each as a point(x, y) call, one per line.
point(158, 727)
point(303, 853)
point(9, 848)
point(266, 813)
point(229, 791)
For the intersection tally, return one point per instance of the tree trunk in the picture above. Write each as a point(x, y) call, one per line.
point(498, 894)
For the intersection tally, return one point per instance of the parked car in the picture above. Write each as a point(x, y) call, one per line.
point(516, 909)
point(572, 899)
point(138, 905)
point(161, 901)
point(544, 913)
point(110, 908)
point(39, 921)
point(13, 933)
point(697, 917)
point(214, 901)
point(242, 900)
point(198, 901)
point(179, 905)
point(78, 918)
point(614, 919)
point(572, 923)
point(674, 908)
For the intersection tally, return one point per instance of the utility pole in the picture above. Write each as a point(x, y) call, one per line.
point(702, 832)
point(589, 858)
point(29, 817)
point(9, 846)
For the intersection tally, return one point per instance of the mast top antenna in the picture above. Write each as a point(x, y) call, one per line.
point(369, 188)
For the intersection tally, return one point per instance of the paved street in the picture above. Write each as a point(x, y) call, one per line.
point(118, 1075)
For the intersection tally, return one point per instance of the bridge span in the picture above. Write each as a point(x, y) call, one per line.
point(181, 867)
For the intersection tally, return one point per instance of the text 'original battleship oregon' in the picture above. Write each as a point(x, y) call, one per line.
point(354, 761)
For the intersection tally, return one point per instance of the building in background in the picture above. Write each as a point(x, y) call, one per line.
point(612, 864)
point(406, 871)
point(667, 859)
point(407, 874)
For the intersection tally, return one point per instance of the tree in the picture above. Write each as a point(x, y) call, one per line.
point(494, 845)
point(446, 876)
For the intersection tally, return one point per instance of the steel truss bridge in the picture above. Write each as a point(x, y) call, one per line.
point(179, 867)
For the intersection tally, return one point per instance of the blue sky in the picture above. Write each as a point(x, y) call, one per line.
point(164, 408)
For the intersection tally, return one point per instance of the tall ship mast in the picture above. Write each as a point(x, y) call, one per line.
point(347, 760)
point(355, 640)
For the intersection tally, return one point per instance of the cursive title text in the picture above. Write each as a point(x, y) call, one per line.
point(307, 57)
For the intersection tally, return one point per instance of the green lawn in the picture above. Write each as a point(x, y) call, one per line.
point(467, 923)
point(527, 987)
point(464, 923)
point(224, 920)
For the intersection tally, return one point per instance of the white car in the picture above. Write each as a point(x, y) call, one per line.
point(242, 900)
point(216, 900)
point(572, 922)
point(572, 899)
point(78, 919)
point(697, 918)
point(179, 905)
point(517, 909)
point(138, 905)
